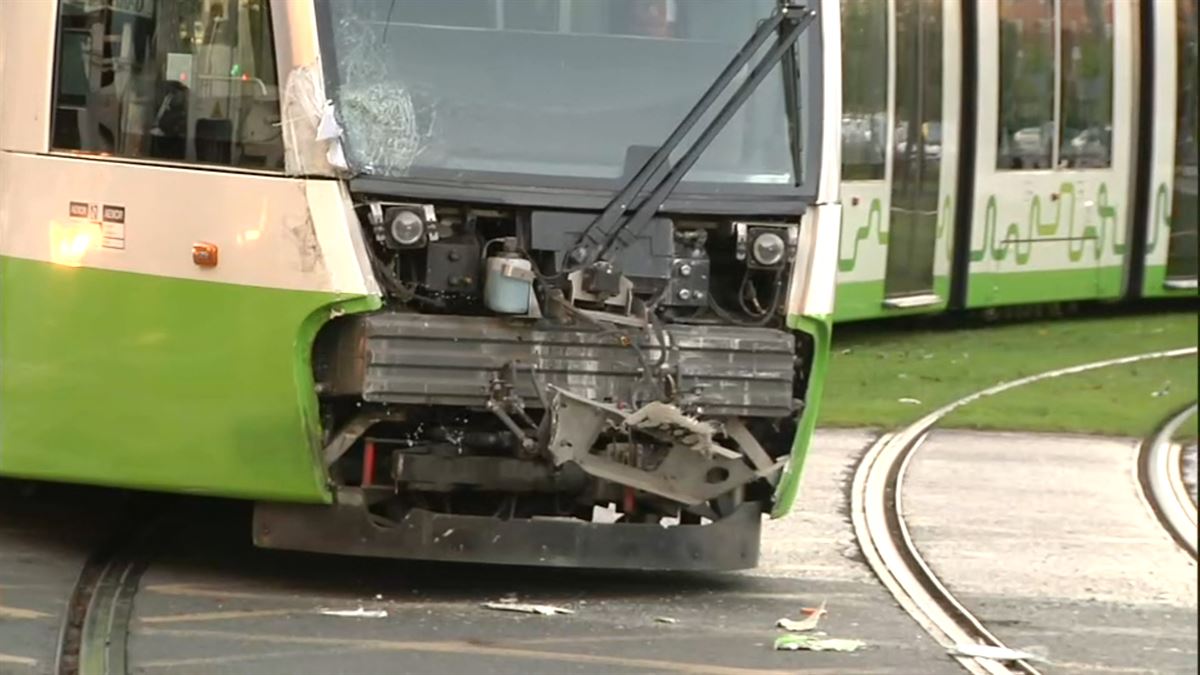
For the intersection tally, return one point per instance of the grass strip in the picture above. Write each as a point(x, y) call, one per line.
point(889, 375)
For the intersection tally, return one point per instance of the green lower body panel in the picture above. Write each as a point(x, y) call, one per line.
point(988, 289)
point(857, 300)
point(156, 383)
point(1156, 285)
point(820, 331)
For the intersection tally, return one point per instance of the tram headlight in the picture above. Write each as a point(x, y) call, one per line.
point(407, 228)
point(768, 249)
point(765, 245)
point(401, 226)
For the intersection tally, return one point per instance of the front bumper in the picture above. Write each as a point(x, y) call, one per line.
point(348, 528)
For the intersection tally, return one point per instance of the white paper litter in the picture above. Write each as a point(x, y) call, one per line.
point(909, 401)
point(807, 623)
point(528, 608)
point(665, 619)
point(994, 653)
point(360, 613)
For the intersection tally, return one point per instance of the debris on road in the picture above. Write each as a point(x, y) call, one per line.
point(994, 653)
point(665, 619)
point(816, 643)
point(809, 622)
point(527, 608)
point(360, 613)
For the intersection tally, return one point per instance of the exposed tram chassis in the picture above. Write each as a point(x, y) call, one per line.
point(397, 363)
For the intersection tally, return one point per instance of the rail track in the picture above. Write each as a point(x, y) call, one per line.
point(94, 634)
point(1160, 473)
point(878, 520)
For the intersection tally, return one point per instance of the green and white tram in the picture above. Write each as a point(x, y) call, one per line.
point(520, 281)
point(1000, 152)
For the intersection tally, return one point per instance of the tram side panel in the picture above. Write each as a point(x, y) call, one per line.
point(158, 315)
point(902, 72)
point(1171, 210)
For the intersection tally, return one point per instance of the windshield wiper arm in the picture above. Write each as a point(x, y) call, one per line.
point(787, 22)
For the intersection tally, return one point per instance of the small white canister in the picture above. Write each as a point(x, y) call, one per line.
point(508, 283)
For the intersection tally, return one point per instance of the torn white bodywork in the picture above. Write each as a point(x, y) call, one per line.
point(311, 133)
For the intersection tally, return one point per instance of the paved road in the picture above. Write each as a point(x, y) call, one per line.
point(1050, 542)
point(212, 604)
point(46, 534)
point(1046, 538)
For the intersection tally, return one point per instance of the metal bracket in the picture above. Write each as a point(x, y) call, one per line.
point(754, 451)
point(345, 437)
point(694, 470)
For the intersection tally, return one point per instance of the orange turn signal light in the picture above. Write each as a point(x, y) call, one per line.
point(204, 254)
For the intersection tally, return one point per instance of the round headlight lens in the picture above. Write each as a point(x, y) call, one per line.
point(407, 228)
point(768, 249)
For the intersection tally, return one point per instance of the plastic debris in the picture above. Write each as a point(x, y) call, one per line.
point(360, 613)
point(816, 643)
point(528, 608)
point(994, 653)
point(665, 619)
point(809, 622)
point(909, 401)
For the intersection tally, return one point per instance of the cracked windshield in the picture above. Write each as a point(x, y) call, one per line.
point(581, 89)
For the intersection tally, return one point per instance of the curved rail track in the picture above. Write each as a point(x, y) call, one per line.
point(1161, 476)
point(878, 521)
point(95, 628)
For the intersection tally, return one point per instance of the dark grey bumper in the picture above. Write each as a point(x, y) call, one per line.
point(347, 528)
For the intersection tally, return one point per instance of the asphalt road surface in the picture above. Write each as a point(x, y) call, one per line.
point(211, 603)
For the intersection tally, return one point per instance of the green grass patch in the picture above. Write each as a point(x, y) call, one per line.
point(887, 376)
point(1126, 400)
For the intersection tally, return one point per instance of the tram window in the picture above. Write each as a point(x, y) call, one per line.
point(1026, 116)
point(1085, 130)
point(176, 80)
point(864, 92)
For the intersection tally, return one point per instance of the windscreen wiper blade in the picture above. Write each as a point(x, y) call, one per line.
point(604, 234)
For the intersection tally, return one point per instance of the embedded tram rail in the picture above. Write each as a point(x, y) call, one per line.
point(879, 523)
point(94, 634)
point(1160, 472)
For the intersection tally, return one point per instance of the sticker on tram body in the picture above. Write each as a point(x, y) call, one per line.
point(113, 226)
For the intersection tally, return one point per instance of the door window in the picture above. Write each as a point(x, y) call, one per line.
point(917, 149)
point(1026, 119)
point(1085, 130)
point(174, 80)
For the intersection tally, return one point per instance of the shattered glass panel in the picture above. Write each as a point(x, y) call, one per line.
point(563, 88)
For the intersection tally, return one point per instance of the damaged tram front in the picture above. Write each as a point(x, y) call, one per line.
point(603, 234)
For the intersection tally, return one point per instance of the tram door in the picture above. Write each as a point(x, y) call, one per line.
point(917, 152)
point(1182, 248)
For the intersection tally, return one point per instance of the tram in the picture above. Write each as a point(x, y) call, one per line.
point(512, 281)
point(1002, 152)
